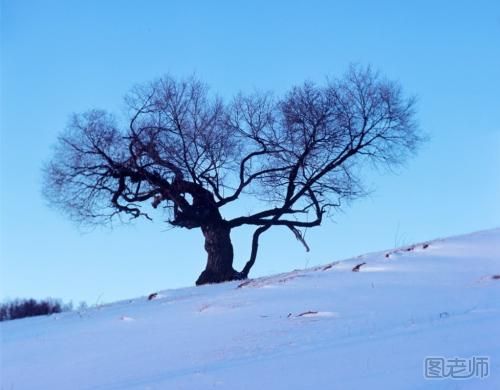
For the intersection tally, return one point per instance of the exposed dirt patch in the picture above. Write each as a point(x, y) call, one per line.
point(307, 313)
point(357, 267)
point(269, 281)
point(152, 296)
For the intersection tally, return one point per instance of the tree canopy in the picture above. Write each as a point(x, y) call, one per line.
point(186, 152)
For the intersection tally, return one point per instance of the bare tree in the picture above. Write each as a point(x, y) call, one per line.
point(189, 154)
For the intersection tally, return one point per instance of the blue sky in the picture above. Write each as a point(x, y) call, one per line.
point(59, 57)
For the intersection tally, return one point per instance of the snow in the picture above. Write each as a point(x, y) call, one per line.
point(326, 327)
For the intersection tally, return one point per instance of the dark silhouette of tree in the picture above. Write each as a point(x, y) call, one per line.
point(21, 308)
point(188, 153)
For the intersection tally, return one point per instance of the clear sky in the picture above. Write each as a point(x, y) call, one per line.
point(59, 57)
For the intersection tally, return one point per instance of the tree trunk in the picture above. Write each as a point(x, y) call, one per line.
point(220, 255)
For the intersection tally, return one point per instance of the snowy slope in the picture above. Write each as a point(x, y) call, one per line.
point(324, 328)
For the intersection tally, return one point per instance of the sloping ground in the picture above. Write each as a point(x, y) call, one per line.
point(321, 328)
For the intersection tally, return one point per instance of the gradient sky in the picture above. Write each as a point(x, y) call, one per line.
point(59, 57)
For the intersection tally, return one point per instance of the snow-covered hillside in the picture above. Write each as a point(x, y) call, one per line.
point(321, 328)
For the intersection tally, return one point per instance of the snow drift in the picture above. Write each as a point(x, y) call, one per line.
point(366, 322)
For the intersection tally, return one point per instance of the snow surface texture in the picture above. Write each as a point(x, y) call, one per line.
point(321, 328)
